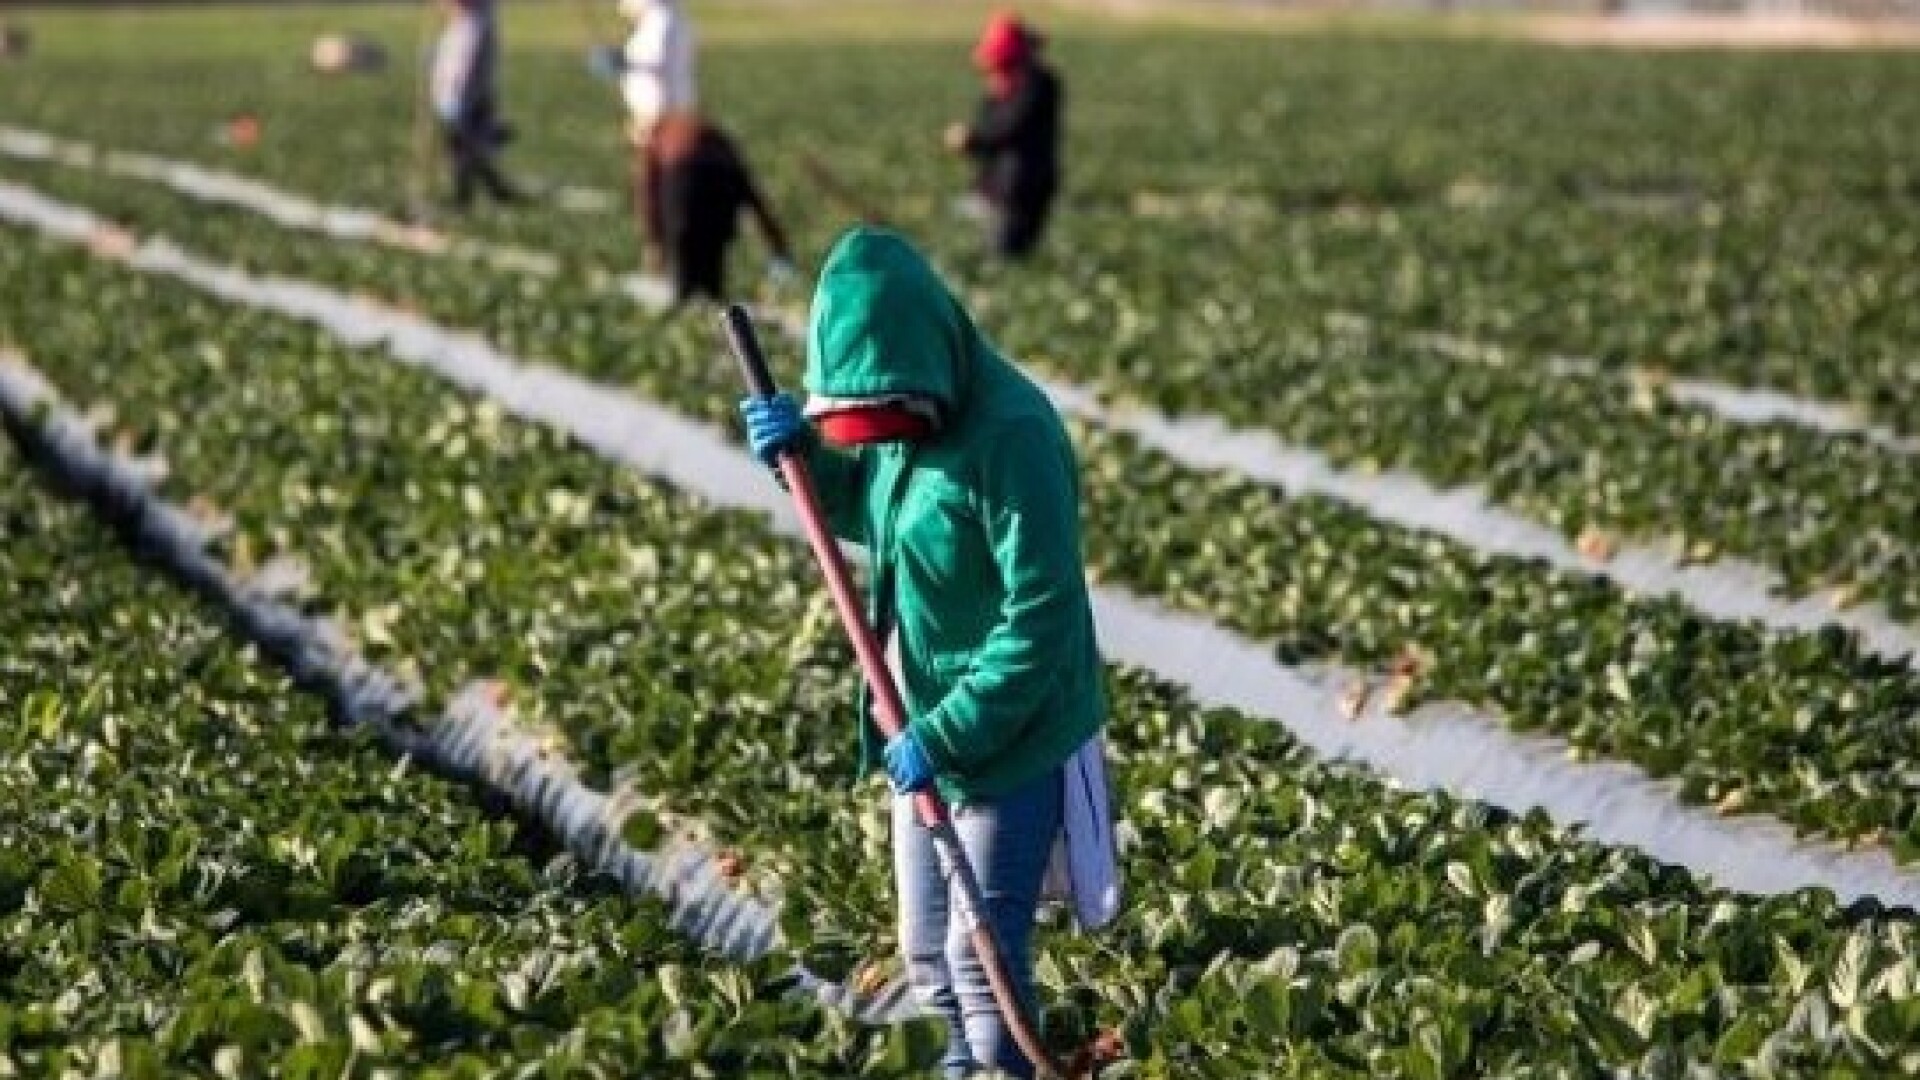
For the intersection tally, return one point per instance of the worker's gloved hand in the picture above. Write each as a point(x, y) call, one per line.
point(908, 766)
point(773, 424)
point(604, 62)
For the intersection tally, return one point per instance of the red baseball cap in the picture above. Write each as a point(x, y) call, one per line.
point(1006, 43)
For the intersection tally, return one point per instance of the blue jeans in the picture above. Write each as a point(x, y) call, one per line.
point(1008, 841)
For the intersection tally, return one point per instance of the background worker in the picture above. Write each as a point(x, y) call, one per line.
point(953, 470)
point(702, 185)
point(656, 72)
point(1015, 136)
point(462, 87)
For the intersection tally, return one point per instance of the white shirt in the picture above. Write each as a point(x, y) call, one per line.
point(659, 64)
point(454, 61)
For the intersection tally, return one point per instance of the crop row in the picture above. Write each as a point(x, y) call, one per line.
point(1312, 118)
point(1814, 298)
point(1775, 251)
point(1807, 726)
point(1813, 295)
point(1818, 306)
point(199, 872)
point(1300, 917)
point(1578, 452)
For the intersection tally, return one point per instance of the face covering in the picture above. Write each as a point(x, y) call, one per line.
point(860, 423)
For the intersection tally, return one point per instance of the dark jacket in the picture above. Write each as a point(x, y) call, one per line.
point(1016, 140)
point(702, 185)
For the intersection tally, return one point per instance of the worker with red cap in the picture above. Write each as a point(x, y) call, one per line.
point(1015, 136)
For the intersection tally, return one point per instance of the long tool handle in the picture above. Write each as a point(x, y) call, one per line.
point(889, 713)
point(422, 150)
point(836, 190)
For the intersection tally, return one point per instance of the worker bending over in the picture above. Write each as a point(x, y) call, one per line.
point(952, 469)
point(1015, 136)
point(702, 184)
point(656, 72)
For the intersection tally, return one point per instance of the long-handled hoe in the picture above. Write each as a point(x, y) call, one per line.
point(836, 190)
point(889, 713)
point(421, 151)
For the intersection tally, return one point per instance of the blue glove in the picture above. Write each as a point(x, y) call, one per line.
point(908, 765)
point(605, 62)
point(773, 424)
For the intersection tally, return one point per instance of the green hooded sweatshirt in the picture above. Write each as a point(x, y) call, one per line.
point(976, 529)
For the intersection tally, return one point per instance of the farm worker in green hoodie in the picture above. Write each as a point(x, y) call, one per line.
point(952, 469)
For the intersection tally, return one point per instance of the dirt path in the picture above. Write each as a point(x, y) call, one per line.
point(1651, 30)
point(1757, 31)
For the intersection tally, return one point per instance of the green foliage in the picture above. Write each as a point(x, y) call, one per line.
point(1711, 703)
point(197, 876)
point(1306, 914)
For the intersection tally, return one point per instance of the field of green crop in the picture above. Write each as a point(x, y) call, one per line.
point(200, 872)
point(1370, 242)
